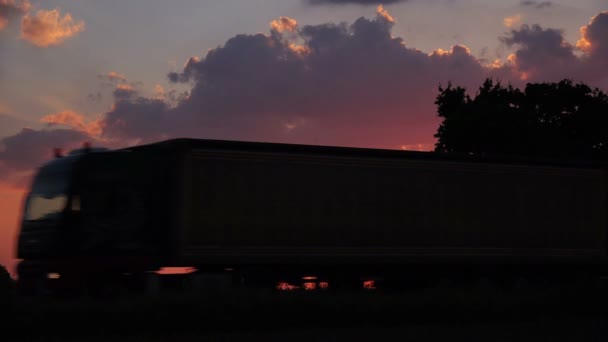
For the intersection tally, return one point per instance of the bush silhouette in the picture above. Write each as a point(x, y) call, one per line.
point(7, 285)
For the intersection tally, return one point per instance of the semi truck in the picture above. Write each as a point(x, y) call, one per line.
point(269, 210)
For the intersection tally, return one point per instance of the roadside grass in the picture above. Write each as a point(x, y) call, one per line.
point(243, 311)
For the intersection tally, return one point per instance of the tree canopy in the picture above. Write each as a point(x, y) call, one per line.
point(550, 120)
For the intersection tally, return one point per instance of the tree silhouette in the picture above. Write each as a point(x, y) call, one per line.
point(554, 120)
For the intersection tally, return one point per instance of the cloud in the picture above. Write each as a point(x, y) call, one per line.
point(10, 9)
point(382, 12)
point(542, 54)
point(124, 91)
point(49, 28)
point(284, 24)
point(349, 84)
point(21, 153)
point(121, 87)
point(137, 119)
point(356, 2)
point(594, 45)
point(73, 120)
point(159, 92)
point(594, 35)
point(536, 4)
point(10, 124)
point(512, 20)
point(112, 78)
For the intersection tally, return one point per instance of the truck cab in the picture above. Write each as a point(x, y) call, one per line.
point(50, 209)
point(92, 211)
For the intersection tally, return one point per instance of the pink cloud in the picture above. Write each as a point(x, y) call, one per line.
point(73, 120)
point(48, 27)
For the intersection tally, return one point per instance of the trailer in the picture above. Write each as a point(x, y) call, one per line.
point(274, 209)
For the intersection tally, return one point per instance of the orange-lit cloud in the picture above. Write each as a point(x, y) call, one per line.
point(496, 64)
point(456, 49)
point(381, 11)
point(583, 43)
point(112, 79)
point(125, 87)
point(512, 20)
point(49, 28)
point(440, 52)
point(284, 24)
point(124, 91)
point(10, 9)
point(114, 76)
point(74, 120)
point(299, 49)
point(159, 92)
point(593, 35)
point(512, 58)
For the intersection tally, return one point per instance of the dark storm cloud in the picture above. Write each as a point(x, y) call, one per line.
point(357, 2)
point(536, 4)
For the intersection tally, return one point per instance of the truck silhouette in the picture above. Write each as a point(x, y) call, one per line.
point(267, 210)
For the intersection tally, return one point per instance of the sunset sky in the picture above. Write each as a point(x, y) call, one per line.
point(330, 72)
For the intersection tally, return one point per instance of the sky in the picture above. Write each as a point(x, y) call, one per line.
point(327, 72)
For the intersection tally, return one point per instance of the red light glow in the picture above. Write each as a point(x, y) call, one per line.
point(284, 286)
point(310, 286)
point(369, 285)
point(175, 270)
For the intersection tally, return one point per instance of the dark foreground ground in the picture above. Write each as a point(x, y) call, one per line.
point(432, 314)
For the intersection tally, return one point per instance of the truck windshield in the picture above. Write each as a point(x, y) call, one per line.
point(48, 197)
